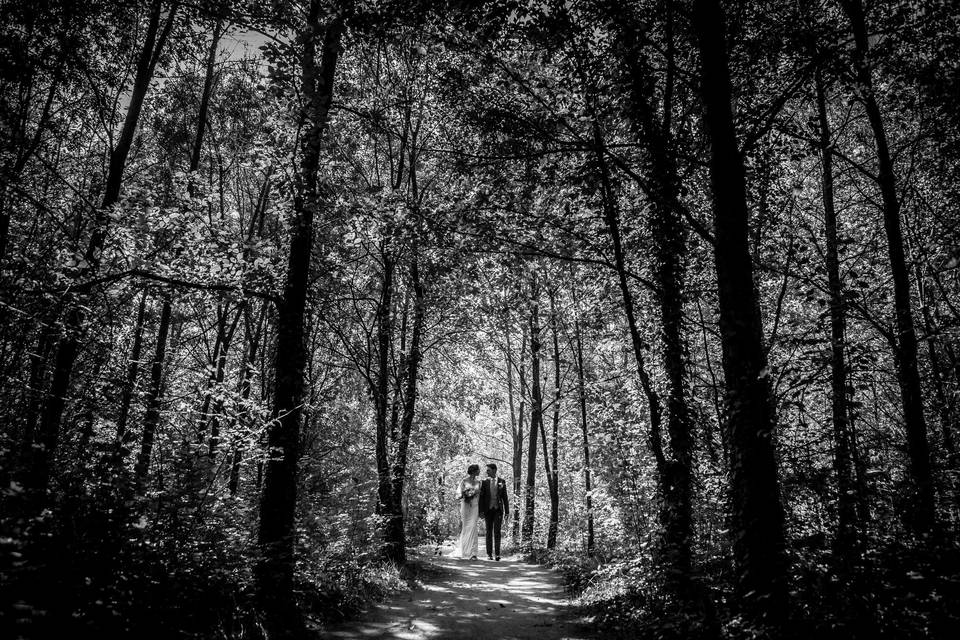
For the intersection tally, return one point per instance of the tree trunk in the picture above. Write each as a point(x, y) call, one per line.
point(920, 515)
point(151, 419)
point(246, 384)
point(278, 499)
point(669, 253)
point(847, 522)
point(195, 155)
point(396, 534)
point(758, 528)
point(219, 372)
point(611, 216)
point(553, 475)
point(205, 97)
point(582, 397)
point(536, 419)
point(382, 401)
point(208, 417)
point(518, 441)
point(133, 369)
point(38, 367)
point(937, 372)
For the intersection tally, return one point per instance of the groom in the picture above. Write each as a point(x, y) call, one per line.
point(494, 506)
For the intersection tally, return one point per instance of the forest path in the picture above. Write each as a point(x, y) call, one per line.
point(473, 599)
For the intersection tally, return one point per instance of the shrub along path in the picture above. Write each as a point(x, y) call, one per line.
point(467, 599)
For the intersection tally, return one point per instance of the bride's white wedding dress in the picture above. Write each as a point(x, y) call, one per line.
point(468, 542)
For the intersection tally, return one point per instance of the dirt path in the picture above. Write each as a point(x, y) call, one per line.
point(474, 599)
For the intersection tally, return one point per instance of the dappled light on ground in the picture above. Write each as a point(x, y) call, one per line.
point(509, 600)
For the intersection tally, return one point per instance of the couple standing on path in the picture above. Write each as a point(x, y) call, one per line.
point(487, 498)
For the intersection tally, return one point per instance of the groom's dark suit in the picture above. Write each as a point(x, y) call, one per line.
point(494, 507)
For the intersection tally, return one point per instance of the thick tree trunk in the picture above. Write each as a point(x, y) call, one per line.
point(920, 515)
point(536, 419)
point(676, 470)
point(847, 522)
point(758, 528)
point(68, 346)
point(154, 401)
point(675, 475)
point(278, 500)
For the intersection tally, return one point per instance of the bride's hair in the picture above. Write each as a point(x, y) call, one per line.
point(473, 470)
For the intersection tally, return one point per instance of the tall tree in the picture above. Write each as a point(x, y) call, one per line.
point(551, 461)
point(848, 525)
point(920, 515)
point(582, 400)
point(536, 416)
point(669, 253)
point(278, 499)
point(758, 530)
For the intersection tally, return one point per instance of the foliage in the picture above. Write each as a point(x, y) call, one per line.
point(478, 161)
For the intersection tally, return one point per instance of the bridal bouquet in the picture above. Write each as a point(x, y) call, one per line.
point(469, 494)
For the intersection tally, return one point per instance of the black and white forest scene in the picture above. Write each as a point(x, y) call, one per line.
point(480, 319)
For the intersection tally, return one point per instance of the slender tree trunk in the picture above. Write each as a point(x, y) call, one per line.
point(133, 370)
point(937, 372)
point(29, 144)
point(218, 375)
point(847, 525)
point(518, 441)
point(38, 366)
point(536, 418)
point(397, 536)
point(382, 400)
point(941, 401)
point(278, 499)
point(758, 528)
point(920, 515)
point(209, 416)
point(205, 97)
point(246, 384)
point(151, 419)
point(612, 219)
point(553, 475)
point(714, 396)
point(68, 346)
point(582, 397)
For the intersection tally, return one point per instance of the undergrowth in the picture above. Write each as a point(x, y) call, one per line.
point(897, 591)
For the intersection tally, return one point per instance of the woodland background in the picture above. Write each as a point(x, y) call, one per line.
point(273, 274)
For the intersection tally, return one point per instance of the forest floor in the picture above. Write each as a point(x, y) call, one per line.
point(473, 599)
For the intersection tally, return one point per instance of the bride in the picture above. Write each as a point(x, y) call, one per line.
point(469, 493)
